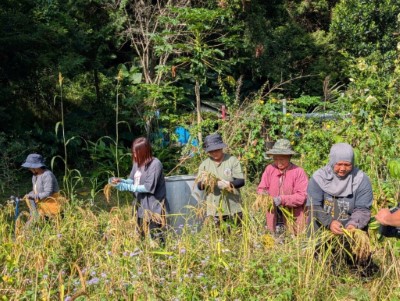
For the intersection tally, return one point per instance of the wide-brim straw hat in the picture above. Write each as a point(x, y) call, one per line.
point(281, 147)
point(213, 142)
point(34, 161)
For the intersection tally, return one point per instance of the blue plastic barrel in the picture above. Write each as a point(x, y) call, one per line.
point(182, 192)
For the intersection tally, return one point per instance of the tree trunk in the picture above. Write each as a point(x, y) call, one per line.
point(198, 109)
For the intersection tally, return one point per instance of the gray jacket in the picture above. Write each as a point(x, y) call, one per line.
point(153, 180)
point(355, 209)
point(44, 185)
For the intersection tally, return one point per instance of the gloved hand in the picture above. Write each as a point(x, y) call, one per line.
point(116, 181)
point(277, 201)
point(223, 184)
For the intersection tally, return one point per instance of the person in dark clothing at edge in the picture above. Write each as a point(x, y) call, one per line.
point(147, 183)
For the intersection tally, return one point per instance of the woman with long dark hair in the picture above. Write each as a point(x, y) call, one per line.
point(147, 183)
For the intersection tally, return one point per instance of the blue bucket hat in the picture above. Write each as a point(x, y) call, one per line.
point(213, 142)
point(34, 161)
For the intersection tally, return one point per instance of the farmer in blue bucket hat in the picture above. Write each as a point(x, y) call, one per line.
point(44, 198)
point(223, 199)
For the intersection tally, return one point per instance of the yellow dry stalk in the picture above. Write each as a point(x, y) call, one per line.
point(20, 222)
point(359, 244)
point(209, 181)
point(199, 211)
point(264, 202)
point(107, 191)
point(62, 200)
point(150, 216)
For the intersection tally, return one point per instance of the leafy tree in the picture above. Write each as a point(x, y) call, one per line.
point(138, 22)
point(207, 43)
point(363, 27)
point(289, 39)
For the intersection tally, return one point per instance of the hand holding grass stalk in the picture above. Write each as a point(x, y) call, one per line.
point(223, 184)
point(264, 202)
point(288, 214)
point(359, 243)
point(336, 227)
point(208, 180)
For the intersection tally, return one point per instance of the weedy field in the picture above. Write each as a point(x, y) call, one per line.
point(96, 254)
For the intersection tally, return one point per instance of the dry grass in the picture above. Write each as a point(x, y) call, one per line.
point(99, 256)
point(150, 216)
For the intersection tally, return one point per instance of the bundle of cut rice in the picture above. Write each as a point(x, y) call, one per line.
point(359, 244)
point(264, 202)
point(208, 180)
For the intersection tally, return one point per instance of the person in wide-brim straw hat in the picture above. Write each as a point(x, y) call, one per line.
point(44, 198)
point(282, 147)
point(223, 200)
point(286, 183)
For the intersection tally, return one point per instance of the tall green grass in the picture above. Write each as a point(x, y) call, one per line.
point(94, 254)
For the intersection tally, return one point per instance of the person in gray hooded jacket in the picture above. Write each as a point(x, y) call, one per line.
point(44, 186)
point(339, 194)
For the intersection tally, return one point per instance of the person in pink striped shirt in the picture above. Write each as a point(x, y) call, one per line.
point(287, 184)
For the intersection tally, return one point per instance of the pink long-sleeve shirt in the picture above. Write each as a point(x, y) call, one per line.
point(291, 186)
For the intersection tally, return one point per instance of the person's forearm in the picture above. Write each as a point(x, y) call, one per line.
point(359, 218)
point(237, 183)
point(393, 219)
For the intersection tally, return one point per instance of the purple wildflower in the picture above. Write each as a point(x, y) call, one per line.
point(94, 280)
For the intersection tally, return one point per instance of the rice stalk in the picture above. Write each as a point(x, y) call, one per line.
point(353, 243)
point(287, 214)
point(150, 216)
point(264, 202)
point(332, 245)
point(107, 191)
point(199, 211)
point(82, 291)
point(20, 222)
point(208, 180)
point(359, 244)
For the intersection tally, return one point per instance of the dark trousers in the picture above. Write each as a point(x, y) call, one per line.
point(150, 227)
point(235, 219)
